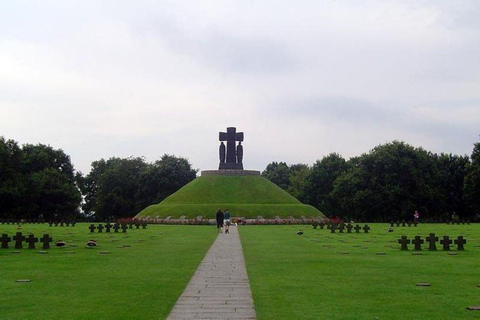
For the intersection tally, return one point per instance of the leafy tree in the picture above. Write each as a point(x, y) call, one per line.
point(319, 183)
point(51, 190)
point(452, 170)
point(36, 181)
point(117, 188)
point(11, 179)
point(472, 184)
point(114, 188)
point(163, 178)
point(391, 182)
point(278, 173)
point(297, 180)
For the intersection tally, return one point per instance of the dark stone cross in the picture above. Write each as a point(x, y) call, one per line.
point(232, 158)
point(404, 242)
point(108, 226)
point(124, 228)
point(357, 228)
point(446, 242)
point(366, 228)
point(137, 225)
point(333, 227)
point(431, 241)
point(5, 239)
point(46, 241)
point(460, 242)
point(100, 228)
point(418, 241)
point(116, 227)
point(92, 228)
point(31, 241)
point(144, 225)
point(18, 240)
point(349, 228)
point(341, 227)
point(322, 224)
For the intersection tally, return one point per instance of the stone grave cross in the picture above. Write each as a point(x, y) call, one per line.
point(446, 242)
point(404, 242)
point(349, 228)
point(418, 241)
point(19, 238)
point(31, 241)
point(357, 228)
point(5, 239)
point(46, 241)
point(460, 242)
point(366, 228)
point(431, 241)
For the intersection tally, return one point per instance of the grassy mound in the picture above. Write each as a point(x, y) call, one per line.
point(244, 196)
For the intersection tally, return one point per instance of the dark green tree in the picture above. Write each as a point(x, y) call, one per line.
point(113, 185)
point(162, 179)
point(319, 183)
point(390, 183)
point(472, 184)
point(51, 191)
point(452, 170)
point(297, 180)
point(12, 185)
point(278, 173)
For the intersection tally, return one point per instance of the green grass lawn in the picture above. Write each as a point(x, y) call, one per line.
point(144, 273)
point(317, 275)
point(320, 275)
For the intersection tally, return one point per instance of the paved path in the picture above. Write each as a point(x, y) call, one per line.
point(219, 289)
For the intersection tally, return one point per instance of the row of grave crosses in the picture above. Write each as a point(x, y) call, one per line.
point(61, 223)
point(116, 226)
point(417, 241)
point(341, 227)
point(19, 238)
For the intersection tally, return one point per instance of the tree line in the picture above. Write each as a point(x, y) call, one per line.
point(389, 183)
point(38, 182)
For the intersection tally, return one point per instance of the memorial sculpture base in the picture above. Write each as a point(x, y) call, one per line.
point(229, 172)
point(233, 166)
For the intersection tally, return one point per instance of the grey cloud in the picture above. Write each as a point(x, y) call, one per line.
point(222, 50)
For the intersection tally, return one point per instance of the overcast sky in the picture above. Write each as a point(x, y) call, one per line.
point(301, 79)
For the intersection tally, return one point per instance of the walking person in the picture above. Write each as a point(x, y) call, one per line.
point(219, 218)
point(226, 221)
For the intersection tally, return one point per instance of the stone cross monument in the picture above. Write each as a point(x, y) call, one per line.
point(232, 157)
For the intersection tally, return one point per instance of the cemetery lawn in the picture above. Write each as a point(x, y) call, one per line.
point(319, 275)
point(134, 275)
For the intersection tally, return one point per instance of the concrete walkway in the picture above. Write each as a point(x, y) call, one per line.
point(219, 289)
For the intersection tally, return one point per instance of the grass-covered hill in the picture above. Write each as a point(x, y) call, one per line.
point(244, 196)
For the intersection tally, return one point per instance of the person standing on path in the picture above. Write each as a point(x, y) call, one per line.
point(226, 221)
point(219, 218)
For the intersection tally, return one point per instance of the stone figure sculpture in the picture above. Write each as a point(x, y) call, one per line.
point(222, 153)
